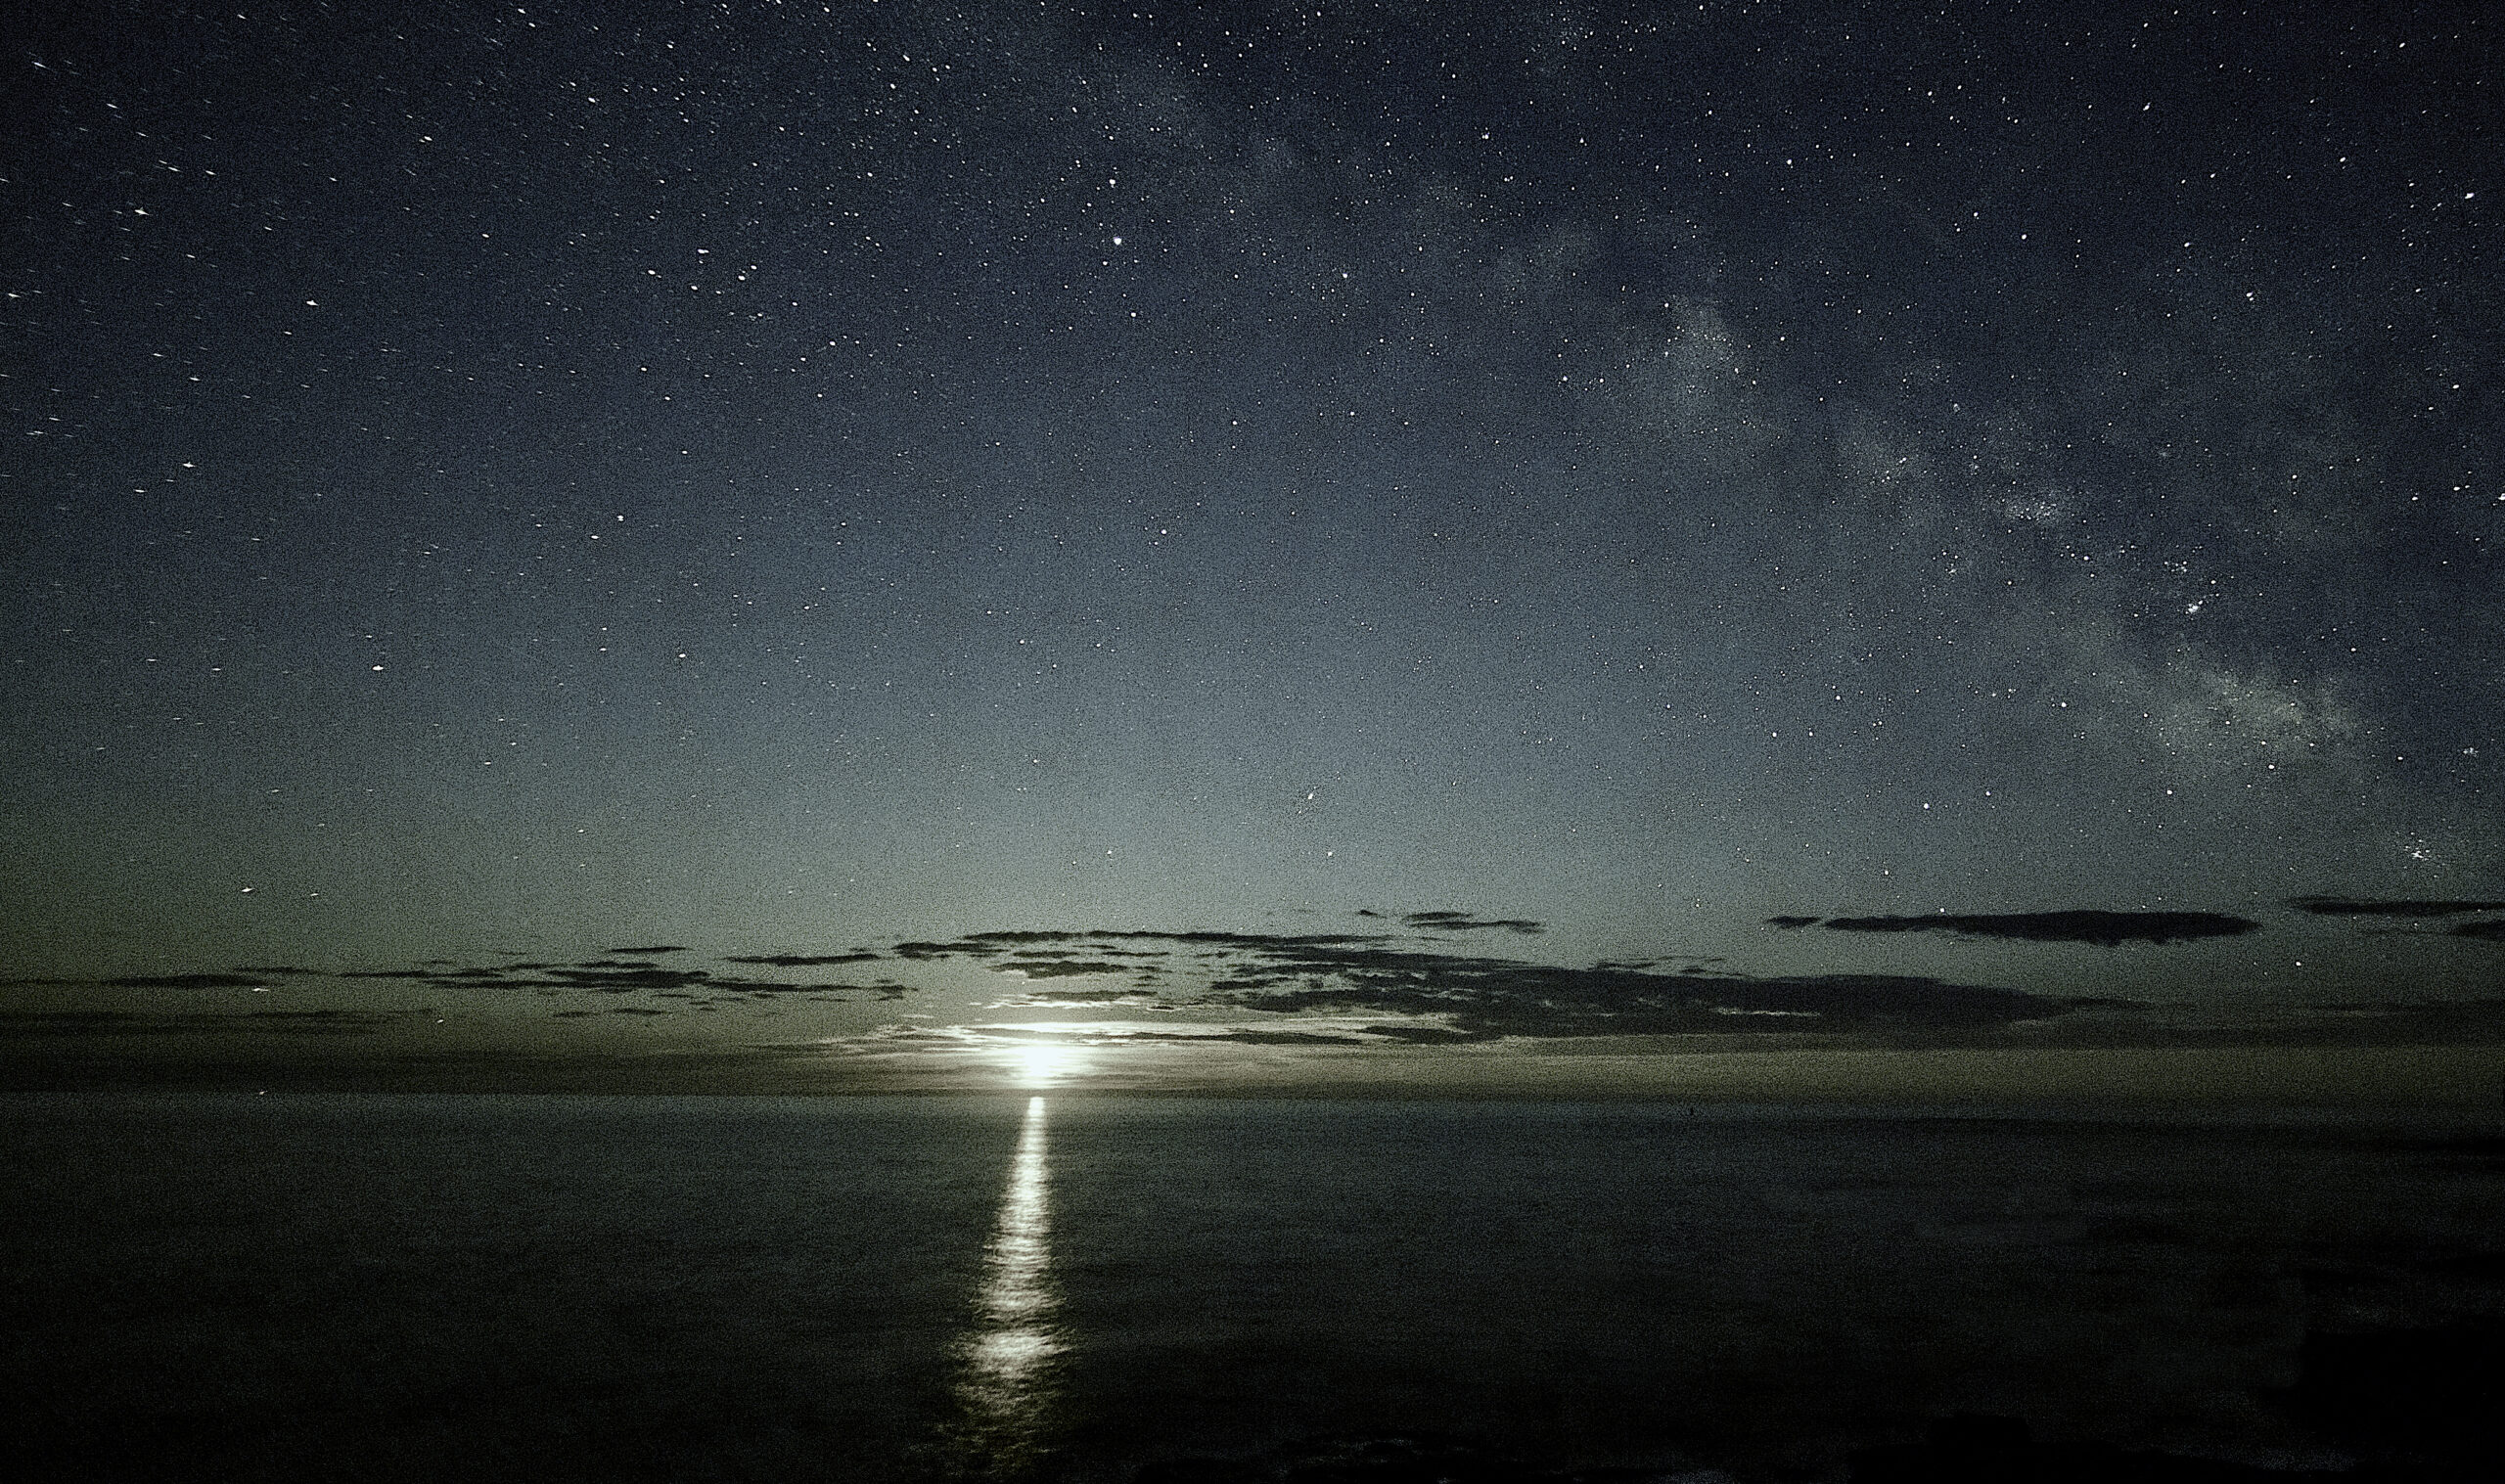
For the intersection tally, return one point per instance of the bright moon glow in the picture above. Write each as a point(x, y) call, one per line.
point(1047, 1065)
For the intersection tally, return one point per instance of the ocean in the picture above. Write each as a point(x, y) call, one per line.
point(1075, 1288)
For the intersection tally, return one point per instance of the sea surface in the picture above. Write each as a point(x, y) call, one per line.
point(1083, 1287)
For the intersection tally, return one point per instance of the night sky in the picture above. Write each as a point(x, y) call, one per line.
point(1391, 544)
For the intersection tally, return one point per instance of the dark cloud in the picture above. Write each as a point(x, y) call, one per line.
point(2365, 907)
point(183, 981)
point(1236, 1036)
point(1408, 989)
point(89, 1022)
point(616, 981)
point(119, 1022)
point(1132, 997)
point(2492, 931)
point(1429, 1035)
point(1477, 997)
point(315, 1021)
point(1141, 944)
point(1789, 921)
point(1060, 968)
point(1502, 998)
point(656, 947)
point(964, 948)
point(614, 976)
point(1693, 962)
point(2120, 1023)
point(771, 987)
point(1462, 921)
point(2107, 929)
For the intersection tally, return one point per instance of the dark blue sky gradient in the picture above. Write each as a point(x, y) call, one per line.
point(521, 480)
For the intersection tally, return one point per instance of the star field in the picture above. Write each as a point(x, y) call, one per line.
point(488, 482)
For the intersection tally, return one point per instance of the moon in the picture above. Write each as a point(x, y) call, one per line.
point(1038, 1066)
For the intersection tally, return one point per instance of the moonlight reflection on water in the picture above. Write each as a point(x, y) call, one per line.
point(1006, 1380)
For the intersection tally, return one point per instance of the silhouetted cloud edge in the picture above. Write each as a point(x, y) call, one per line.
point(2105, 929)
point(2389, 906)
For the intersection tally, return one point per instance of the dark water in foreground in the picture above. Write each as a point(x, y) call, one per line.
point(577, 1288)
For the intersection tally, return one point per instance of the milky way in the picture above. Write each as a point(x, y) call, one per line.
point(488, 482)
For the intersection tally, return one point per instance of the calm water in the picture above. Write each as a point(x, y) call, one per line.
point(561, 1288)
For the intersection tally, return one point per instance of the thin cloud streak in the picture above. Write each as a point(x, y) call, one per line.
point(2105, 929)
